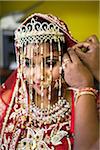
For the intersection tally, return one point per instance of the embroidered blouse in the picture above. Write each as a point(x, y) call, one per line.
point(34, 128)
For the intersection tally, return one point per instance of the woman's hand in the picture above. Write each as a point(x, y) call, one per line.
point(91, 56)
point(75, 73)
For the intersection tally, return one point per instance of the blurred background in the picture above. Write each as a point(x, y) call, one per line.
point(82, 18)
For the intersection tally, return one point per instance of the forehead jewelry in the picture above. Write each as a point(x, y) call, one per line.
point(60, 70)
point(36, 33)
point(36, 49)
point(36, 52)
point(50, 87)
point(42, 87)
point(31, 70)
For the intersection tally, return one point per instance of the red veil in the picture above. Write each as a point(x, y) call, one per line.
point(8, 88)
point(6, 91)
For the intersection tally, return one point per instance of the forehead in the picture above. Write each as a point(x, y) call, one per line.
point(35, 50)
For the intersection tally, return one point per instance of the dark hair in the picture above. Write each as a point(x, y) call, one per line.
point(63, 47)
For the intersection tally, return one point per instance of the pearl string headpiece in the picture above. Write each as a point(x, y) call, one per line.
point(37, 32)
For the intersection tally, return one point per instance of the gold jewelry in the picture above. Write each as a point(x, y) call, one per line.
point(85, 91)
point(65, 62)
point(35, 33)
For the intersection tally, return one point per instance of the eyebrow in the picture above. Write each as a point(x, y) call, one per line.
point(27, 59)
point(48, 57)
point(54, 57)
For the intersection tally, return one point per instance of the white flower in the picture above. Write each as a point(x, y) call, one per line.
point(56, 139)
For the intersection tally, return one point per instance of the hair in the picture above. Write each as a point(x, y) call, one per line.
point(63, 47)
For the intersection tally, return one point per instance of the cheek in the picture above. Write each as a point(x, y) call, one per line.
point(55, 73)
point(28, 73)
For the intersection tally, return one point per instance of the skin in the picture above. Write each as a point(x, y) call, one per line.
point(91, 57)
point(35, 72)
point(75, 72)
point(76, 75)
point(86, 121)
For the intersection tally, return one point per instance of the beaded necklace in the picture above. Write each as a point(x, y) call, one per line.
point(55, 114)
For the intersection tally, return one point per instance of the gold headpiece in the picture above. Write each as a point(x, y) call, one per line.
point(37, 32)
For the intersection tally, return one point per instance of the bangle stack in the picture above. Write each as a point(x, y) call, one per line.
point(85, 91)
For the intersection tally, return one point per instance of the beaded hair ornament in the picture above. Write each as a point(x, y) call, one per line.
point(36, 30)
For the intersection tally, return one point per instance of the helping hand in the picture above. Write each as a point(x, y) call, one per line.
point(91, 56)
point(75, 73)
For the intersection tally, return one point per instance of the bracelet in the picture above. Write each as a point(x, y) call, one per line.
point(89, 89)
point(85, 91)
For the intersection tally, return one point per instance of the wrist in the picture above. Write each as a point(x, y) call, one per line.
point(87, 83)
point(96, 76)
point(85, 91)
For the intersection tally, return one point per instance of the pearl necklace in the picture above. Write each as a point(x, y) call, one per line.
point(57, 113)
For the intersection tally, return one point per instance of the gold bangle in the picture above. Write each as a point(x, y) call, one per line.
point(80, 93)
point(89, 89)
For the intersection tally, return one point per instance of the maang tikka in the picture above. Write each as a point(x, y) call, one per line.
point(35, 32)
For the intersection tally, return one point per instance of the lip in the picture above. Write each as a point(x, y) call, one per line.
point(45, 84)
point(37, 84)
point(37, 87)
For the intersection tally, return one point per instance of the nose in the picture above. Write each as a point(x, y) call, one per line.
point(37, 73)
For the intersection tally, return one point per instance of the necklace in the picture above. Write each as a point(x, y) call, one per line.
point(46, 127)
point(59, 112)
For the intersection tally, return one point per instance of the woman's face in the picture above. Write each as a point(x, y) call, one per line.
point(34, 73)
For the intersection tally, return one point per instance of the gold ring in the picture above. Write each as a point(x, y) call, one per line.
point(66, 61)
point(64, 65)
